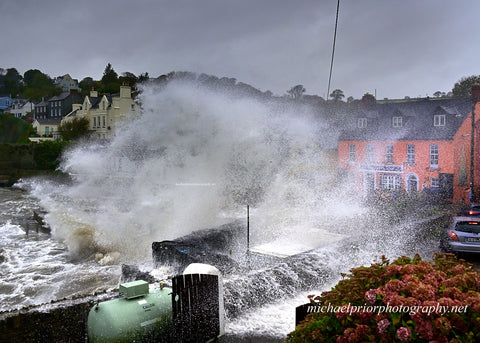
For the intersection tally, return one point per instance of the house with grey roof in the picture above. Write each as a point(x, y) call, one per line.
point(66, 83)
point(420, 145)
point(105, 113)
point(60, 105)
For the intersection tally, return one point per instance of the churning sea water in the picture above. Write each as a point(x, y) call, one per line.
point(194, 160)
point(35, 267)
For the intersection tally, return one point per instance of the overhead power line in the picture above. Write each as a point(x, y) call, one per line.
point(333, 50)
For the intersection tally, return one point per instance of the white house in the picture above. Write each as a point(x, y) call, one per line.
point(66, 83)
point(105, 113)
point(21, 108)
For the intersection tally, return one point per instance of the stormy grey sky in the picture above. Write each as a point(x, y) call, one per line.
point(392, 47)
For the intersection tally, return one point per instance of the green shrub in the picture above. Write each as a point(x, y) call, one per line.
point(47, 154)
point(14, 130)
point(408, 300)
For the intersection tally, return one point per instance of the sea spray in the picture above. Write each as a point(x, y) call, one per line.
point(191, 159)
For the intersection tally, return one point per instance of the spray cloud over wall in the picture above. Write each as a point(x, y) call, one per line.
point(192, 158)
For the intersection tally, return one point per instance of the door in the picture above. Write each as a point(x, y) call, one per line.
point(412, 183)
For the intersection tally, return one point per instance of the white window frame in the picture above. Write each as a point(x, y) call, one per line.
point(434, 182)
point(391, 182)
point(439, 120)
point(410, 153)
point(369, 156)
point(351, 153)
point(434, 156)
point(397, 122)
point(389, 153)
point(362, 123)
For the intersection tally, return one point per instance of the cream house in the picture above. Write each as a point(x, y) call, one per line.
point(46, 128)
point(105, 113)
point(66, 83)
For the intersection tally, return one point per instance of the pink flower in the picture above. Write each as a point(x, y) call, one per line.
point(443, 324)
point(394, 269)
point(383, 326)
point(371, 296)
point(394, 285)
point(404, 334)
point(424, 329)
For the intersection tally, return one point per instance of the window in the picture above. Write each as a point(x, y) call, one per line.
point(410, 154)
point(389, 153)
point(351, 152)
point(434, 156)
point(103, 123)
point(369, 153)
point(435, 182)
point(362, 123)
point(439, 120)
point(390, 182)
point(94, 121)
point(397, 121)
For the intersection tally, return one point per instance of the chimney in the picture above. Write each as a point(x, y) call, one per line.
point(368, 100)
point(475, 92)
point(93, 93)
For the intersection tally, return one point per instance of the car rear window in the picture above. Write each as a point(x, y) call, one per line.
point(468, 226)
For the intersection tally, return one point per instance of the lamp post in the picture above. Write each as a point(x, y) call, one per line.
point(475, 99)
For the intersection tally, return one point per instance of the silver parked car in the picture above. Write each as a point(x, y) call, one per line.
point(462, 236)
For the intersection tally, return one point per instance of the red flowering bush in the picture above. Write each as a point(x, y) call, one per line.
point(408, 300)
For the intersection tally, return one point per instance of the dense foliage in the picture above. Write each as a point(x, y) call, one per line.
point(47, 154)
point(14, 130)
point(73, 129)
point(408, 300)
point(463, 87)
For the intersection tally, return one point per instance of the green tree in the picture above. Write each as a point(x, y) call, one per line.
point(74, 129)
point(47, 154)
point(128, 78)
point(463, 87)
point(109, 81)
point(296, 92)
point(337, 95)
point(40, 85)
point(29, 75)
point(143, 77)
point(88, 84)
point(14, 130)
point(12, 82)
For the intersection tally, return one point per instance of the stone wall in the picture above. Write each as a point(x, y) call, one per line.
point(62, 321)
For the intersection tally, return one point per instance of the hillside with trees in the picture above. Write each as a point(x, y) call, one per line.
point(14, 130)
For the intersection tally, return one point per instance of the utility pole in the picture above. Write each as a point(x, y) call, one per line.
point(475, 99)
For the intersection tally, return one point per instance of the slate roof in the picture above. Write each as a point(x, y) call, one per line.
point(94, 101)
point(49, 121)
point(417, 120)
point(42, 103)
point(61, 96)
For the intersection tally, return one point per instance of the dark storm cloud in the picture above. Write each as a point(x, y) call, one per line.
point(394, 47)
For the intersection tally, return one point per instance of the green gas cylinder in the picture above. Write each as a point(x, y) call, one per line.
point(138, 315)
